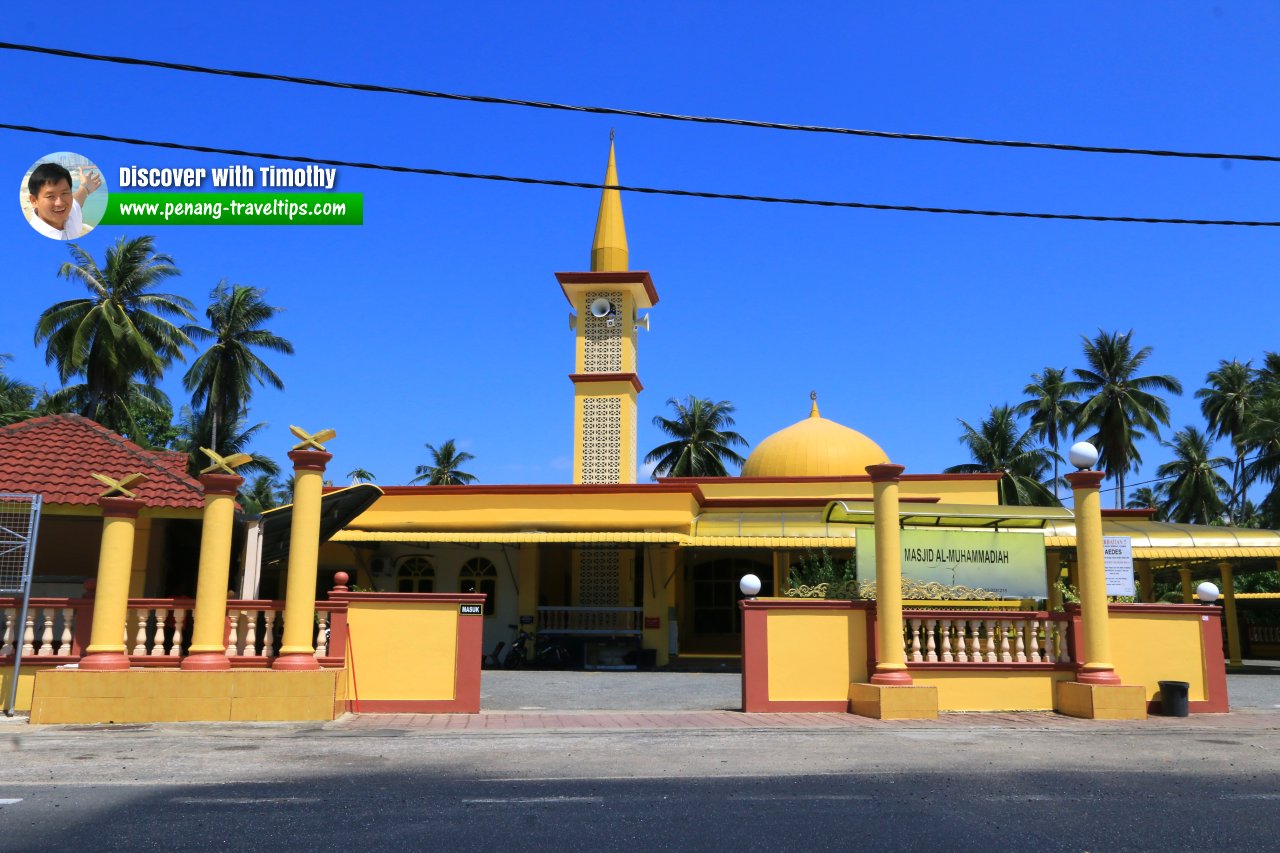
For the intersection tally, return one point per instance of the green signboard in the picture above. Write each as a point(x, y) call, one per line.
point(964, 563)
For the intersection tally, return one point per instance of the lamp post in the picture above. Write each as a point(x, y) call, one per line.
point(1096, 668)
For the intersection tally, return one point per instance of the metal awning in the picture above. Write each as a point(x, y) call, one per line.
point(624, 537)
point(337, 510)
point(1164, 540)
point(954, 515)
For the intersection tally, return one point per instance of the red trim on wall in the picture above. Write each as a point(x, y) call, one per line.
point(470, 655)
point(1153, 608)
point(608, 377)
point(1128, 513)
point(848, 478)
point(955, 666)
point(420, 597)
point(1215, 665)
point(723, 503)
point(685, 488)
point(755, 657)
point(805, 604)
point(611, 277)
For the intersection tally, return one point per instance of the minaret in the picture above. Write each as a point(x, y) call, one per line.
point(605, 383)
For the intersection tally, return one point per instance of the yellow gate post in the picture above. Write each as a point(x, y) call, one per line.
point(1097, 692)
point(209, 637)
point(120, 507)
point(297, 651)
point(890, 695)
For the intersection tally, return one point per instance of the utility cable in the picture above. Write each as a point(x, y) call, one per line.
point(1146, 220)
point(614, 111)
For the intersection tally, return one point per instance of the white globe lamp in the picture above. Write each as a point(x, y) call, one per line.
point(1207, 592)
point(750, 586)
point(1083, 455)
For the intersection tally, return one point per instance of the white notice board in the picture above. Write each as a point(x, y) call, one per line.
point(1117, 559)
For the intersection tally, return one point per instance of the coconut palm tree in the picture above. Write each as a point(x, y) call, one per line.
point(445, 467)
point(1051, 408)
point(195, 430)
point(1262, 437)
point(222, 378)
point(1119, 407)
point(361, 475)
point(999, 445)
point(17, 398)
point(121, 338)
point(702, 444)
point(1227, 402)
point(1145, 497)
point(262, 494)
point(1194, 495)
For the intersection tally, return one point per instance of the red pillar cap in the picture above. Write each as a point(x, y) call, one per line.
point(885, 472)
point(1085, 479)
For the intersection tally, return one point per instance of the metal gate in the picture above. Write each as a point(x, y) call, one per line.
point(19, 524)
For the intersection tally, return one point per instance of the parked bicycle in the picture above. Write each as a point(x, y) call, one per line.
point(548, 654)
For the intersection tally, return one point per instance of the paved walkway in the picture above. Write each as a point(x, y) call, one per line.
point(503, 721)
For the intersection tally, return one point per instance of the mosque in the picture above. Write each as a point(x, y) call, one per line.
point(630, 573)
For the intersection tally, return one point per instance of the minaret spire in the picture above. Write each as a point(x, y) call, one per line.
point(609, 248)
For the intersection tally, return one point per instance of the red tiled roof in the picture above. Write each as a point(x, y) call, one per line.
point(54, 457)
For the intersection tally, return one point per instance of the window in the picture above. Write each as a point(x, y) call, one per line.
point(480, 575)
point(415, 574)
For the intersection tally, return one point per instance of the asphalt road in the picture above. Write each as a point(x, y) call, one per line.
point(295, 787)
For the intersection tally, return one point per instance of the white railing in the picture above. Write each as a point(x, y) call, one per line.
point(1001, 638)
point(157, 630)
point(47, 633)
point(590, 620)
point(254, 628)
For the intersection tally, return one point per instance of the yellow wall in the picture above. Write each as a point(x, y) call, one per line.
point(815, 655)
point(1148, 648)
point(26, 679)
point(401, 650)
point(992, 690)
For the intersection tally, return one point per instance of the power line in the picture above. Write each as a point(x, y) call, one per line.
point(614, 111)
point(858, 205)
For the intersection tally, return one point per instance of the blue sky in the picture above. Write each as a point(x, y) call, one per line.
point(441, 318)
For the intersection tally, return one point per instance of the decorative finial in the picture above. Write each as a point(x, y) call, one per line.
point(611, 134)
point(310, 441)
point(225, 464)
point(116, 488)
point(813, 410)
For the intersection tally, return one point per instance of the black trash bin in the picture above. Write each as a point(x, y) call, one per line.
point(1173, 698)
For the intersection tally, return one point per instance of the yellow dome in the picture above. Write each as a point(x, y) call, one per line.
point(814, 447)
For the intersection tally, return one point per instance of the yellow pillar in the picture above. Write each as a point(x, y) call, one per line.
point(1184, 578)
point(209, 637)
point(1229, 606)
point(659, 563)
point(1148, 581)
point(528, 574)
point(891, 660)
point(297, 651)
point(1097, 668)
point(781, 571)
point(106, 650)
point(142, 529)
